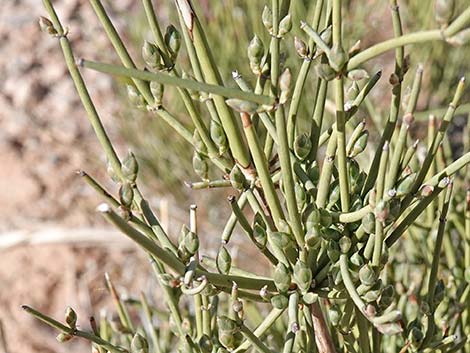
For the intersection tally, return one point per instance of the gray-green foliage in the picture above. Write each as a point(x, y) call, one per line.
point(373, 233)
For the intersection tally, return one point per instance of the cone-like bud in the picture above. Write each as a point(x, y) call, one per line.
point(439, 292)
point(282, 277)
point(314, 173)
point(325, 72)
point(205, 344)
point(337, 58)
point(300, 47)
point(302, 146)
point(191, 243)
point(255, 54)
point(151, 56)
point(46, 26)
point(300, 196)
point(443, 11)
point(228, 330)
point(267, 18)
point(242, 106)
point(260, 236)
point(135, 97)
point(237, 178)
point(219, 137)
point(200, 166)
point(367, 275)
point(224, 261)
point(334, 193)
point(334, 314)
point(310, 298)
point(139, 344)
point(71, 317)
point(280, 239)
point(325, 218)
point(368, 223)
point(345, 244)
point(382, 210)
point(285, 81)
point(64, 337)
point(405, 185)
point(130, 167)
point(360, 144)
point(126, 194)
point(157, 90)
point(285, 25)
point(302, 276)
point(280, 301)
point(333, 251)
point(173, 41)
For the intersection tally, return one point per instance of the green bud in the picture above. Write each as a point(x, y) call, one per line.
point(260, 236)
point(237, 178)
point(280, 239)
point(333, 251)
point(267, 18)
point(157, 90)
point(64, 337)
point(302, 146)
point(46, 26)
point(325, 72)
point(439, 292)
point(314, 173)
point(386, 298)
point(282, 278)
point(367, 275)
point(312, 217)
point(372, 295)
point(443, 11)
point(228, 330)
point(139, 344)
point(130, 167)
point(382, 210)
point(327, 34)
point(219, 137)
point(198, 143)
point(126, 195)
point(302, 276)
point(135, 97)
point(242, 106)
point(224, 261)
point(285, 81)
point(279, 301)
point(191, 243)
point(357, 261)
point(300, 47)
point(415, 336)
point(368, 223)
point(353, 171)
point(71, 317)
point(173, 41)
point(255, 54)
point(334, 193)
point(205, 344)
point(313, 236)
point(300, 196)
point(200, 166)
point(345, 245)
point(405, 185)
point(310, 298)
point(360, 145)
point(151, 56)
point(285, 25)
point(325, 218)
point(334, 314)
point(258, 220)
point(337, 58)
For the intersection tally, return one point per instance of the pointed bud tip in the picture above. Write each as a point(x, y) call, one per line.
point(103, 208)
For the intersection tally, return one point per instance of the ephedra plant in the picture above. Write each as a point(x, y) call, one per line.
point(367, 245)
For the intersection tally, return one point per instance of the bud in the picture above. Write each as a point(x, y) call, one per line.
point(224, 261)
point(280, 301)
point(386, 298)
point(333, 251)
point(360, 144)
point(439, 292)
point(337, 58)
point(285, 85)
point(368, 223)
point(302, 146)
point(285, 26)
point(139, 344)
point(282, 278)
point(205, 344)
point(313, 236)
point(345, 245)
point(334, 193)
point(200, 166)
point(191, 243)
point(314, 173)
point(237, 178)
point(325, 72)
point(372, 295)
point(415, 336)
point(126, 195)
point(255, 54)
point(367, 275)
point(130, 167)
point(280, 239)
point(135, 97)
point(325, 218)
point(443, 11)
point(310, 298)
point(157, 90)
point(71, 317)
point(64, 337)
point(357, 261)
point(300, 47)
point(228, 330)
point(334, 314)
point(313, 219)
point(173, 41)
point(302, 276)
point(242, 106)
point(46, 26)
point(218, 136)
point(267, 18)
point(151, 56)
point(405, 185)
point(300, 196)
point(382, 210)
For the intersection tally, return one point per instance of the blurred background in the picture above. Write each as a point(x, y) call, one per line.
point(54, 249)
